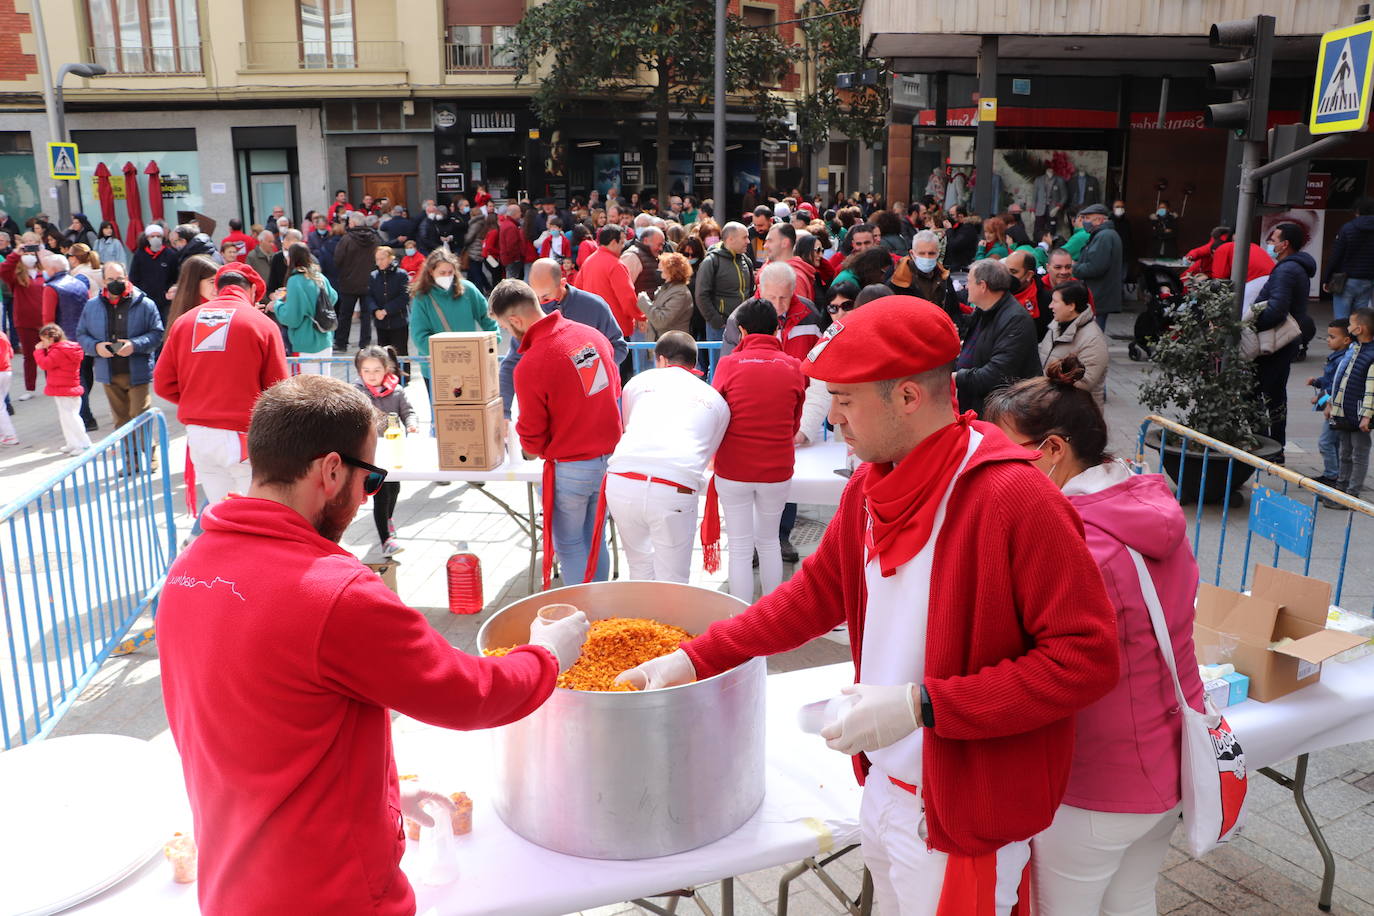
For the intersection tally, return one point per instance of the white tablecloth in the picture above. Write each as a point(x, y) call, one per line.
point(814, 480)
point(1337, 710)
point(811, 806)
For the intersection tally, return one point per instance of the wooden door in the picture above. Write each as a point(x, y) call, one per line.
point(389, 186)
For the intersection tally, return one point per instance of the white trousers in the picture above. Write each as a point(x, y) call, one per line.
point(6, 425)
point(69, 418)
point(1090, 862)
point(752, 513)
point(315, 368)
point(216, 453)
point(907, 876)
point(656, 525)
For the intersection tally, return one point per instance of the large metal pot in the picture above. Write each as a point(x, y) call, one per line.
point(632, 775)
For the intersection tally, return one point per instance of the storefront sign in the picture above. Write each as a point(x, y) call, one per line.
point(492, 122)
point(703, 171)
point(1318, 190)
point(449, 183)
point(631, 169)
point(179, 177)
point(1347, 183)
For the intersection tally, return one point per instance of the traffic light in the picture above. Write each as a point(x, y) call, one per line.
point(1248, 78)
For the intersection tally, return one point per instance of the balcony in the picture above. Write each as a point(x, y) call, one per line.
point(156, 61)
point(288, 56)
point(467, 58)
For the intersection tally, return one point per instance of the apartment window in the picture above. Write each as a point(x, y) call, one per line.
point(765, 19)
point(326, 34)
point(145, 36)
point(480, 47)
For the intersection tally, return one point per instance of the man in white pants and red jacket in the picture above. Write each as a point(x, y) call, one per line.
point(216, 360)
point(978, 622)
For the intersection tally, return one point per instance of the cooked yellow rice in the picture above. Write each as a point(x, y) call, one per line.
point(614, 645)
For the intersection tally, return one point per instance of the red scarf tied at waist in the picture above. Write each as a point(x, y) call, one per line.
point(594, 553)
point(902, 498)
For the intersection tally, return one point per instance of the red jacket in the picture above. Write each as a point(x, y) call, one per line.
point(6, 353)
point(799, 331)
point(603, 275)
point(806, 277)
point(1259, 265)
point(511, 242)
point(217, 359)
point(765, 390)
point(1004, 681)
point(28, 300)
point(568, 386)
point(285, 737)
point(243, 239)
point(1201, 258)
point(61, 363)
point(412, 263)
point(335, 208)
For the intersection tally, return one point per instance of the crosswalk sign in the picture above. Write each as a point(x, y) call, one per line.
point(1340, 100)
point(62, 162)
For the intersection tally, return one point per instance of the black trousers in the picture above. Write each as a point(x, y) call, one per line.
point(1271, 388)
point(87, 383)
point(400, 339)
point(344, 307)
point(383, 505)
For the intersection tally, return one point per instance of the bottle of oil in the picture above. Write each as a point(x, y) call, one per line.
point(393, 435)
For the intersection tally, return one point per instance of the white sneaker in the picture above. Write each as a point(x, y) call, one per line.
point(28, 395)
point(9, 440)
point(391, 547)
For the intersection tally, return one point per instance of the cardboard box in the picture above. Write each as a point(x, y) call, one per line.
point(1239, 629)
point(469, 436)
point(464, 368)
point(1227, 691)
point(1352, 622)
point(387, 570)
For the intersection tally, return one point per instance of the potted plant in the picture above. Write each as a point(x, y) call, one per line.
point(1199, 378)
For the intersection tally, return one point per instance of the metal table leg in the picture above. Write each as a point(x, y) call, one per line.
point(535, 533)
point(862, 906)
point(1297, 784)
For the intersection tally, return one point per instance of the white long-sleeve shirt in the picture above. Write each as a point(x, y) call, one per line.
point(674, 422)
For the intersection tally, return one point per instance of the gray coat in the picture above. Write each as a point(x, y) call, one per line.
point(671, 309)
point(1084, 339)
point(723, 281)
point(1050, 191)
point(1100, 268)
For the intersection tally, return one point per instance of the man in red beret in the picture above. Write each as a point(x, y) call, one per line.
point(978, 621)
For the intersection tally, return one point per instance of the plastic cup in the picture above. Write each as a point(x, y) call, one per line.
point(552, 612)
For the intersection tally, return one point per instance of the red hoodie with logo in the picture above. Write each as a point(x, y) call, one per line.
point(568, 386)
point(282, 658)
point(220, 356)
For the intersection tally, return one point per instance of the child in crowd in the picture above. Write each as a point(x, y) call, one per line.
point(7, 436)
point(1338, 340)
point(1351, 408)
point(61, 359)
point(379, 378)
point(413, 260)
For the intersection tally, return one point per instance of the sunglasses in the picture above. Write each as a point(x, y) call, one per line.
point(372, 483)
point(835, 308)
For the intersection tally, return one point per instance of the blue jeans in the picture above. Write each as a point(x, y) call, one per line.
point(1355, 295)
point(1329, 444)
point(516, 271)
point(477, 276)
point(704, 357)
point(577, 485)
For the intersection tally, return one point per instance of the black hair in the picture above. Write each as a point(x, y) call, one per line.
point(609, 234)
point(757, 316)
point(847, 289)
point(870, 292)
point(233, 278)
point(677, 347)
point(787, 231)
point(1342, 323)
point(1364, 206)
point(1364, 316)
point(762, 210)
point(1291, 233)
point(1074, 294)
point(389, 358)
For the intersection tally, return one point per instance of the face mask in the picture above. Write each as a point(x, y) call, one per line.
point(925, 265)
point(1161, 212)
point(155, 243)
point(464, 209)
point(1269, 250)
point(115, 288)
point(711, 240)
point(1118, 211)
point(444, 282)
point(692, 261)
point(409, 250)
point(29, 259)
point(434, 216)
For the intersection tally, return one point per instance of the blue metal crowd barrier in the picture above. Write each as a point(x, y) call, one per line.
point(334, 363)
point(83, 556)
point(643, 354)
point(1284, 509)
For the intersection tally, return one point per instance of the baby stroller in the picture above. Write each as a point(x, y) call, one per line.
point(1164, 286)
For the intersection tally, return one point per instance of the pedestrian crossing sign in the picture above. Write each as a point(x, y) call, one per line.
point(62, 162)
point(1340, 101)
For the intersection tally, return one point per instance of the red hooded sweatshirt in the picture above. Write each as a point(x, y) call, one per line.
point(568, 387)
point(28, 300)
point(282, 658)
point(218, 357)
point(765, 390)
point(603, 275)
point(61, 364)
point(1004, 682)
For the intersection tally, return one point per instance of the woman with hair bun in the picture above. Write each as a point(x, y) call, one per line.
point(1104, 851)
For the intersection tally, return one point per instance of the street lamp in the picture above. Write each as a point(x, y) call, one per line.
point(59, 119)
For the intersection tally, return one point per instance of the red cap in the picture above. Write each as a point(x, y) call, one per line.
point(806, 205)
point(888, 338)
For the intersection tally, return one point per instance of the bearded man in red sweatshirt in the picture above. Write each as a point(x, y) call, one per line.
point(567, 387)
point(978, 621)
point(282, 658)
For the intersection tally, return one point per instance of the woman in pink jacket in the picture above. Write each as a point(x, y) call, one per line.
point(1107, 844)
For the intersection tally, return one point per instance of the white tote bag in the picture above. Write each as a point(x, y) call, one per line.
point(1214, 780)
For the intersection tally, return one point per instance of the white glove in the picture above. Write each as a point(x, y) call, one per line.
point(880, 716)
point(413, 798)
point(564, 638)
point(665, 671)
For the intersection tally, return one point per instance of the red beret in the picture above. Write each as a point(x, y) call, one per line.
point(888, 338)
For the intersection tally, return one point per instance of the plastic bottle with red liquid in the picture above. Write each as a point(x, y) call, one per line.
point(465, 582)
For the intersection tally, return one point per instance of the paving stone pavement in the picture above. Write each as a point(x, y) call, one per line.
point(1272, 868)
